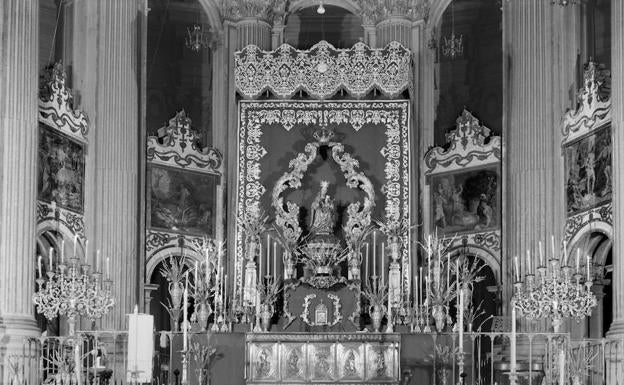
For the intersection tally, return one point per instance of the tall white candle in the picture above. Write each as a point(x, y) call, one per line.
point(460, 321)
point(578, 259)
point(564, 257)
point(383, 265)
point(225, 290)
point(51, 255)
point(366, 262)
point(448, 271)
point(268, 254)
point(274, 259)
point(420, 276)
point(196, 274)
point(528, 256)
point(260, 266)
point(374, 259)
point(552, 246)
point(86, 248)
point(185, 317)
point(517, 264)
point(62, 250)
point(513, 340)
point(107, 267)
point(97, 261)
point(541, 253)
point(76, 245)
point(588, 268)
point(39, 266)
point(562, 367)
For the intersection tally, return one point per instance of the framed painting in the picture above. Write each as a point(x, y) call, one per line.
point(181, 201)
point(61, 169)
point(466, 200)
point(588, 171)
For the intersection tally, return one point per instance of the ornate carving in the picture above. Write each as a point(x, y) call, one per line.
point(470, 145)
point(179, 147)
point(594, 103)
point(47, 212)
point(323, 70)
point(374, 11)
point(56, 105)
point(577, 222)
point(267, 10)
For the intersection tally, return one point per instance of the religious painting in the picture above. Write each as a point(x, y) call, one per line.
point(61, 169)
point(588, 171)
point(466, 201)
point(181, 201)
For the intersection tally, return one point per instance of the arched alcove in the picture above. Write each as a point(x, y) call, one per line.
point(473, 79)
point(338, 25)
point(598, 245)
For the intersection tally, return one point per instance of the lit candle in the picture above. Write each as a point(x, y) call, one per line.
point(51, 255)
point(541, 253)
point(517, 263)
point(39, 266)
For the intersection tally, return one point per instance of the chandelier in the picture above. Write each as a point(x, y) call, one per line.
point(72, 290)
point(453, 45)
point(556, 292)
point(196, 38)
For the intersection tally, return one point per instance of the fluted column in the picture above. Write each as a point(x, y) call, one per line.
point(252, 30)
point(617, 113)
point(19, 34)
point(534, 189)
point(115, 147)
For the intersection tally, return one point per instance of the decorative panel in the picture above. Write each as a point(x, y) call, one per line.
point(328, 358)
point(463, 193)
point(183, 190)
point(62, 151)
point(323, 70)
point(587, 151)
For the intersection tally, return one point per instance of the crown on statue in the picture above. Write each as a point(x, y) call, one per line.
point(323, 135)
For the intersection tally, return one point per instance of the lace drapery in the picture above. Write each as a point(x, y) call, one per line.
point(323, 70)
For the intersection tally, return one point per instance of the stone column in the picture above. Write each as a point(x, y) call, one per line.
point(114, 146)
point(617, 113)
point(19, 35)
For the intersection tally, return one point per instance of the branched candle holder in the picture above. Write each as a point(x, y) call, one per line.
point(557, 292)
point(174, 272)
point(73, 291)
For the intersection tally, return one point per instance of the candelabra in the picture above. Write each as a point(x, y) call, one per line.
point(72, 290)
point(556, 292)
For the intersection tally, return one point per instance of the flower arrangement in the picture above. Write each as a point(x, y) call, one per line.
point(204, 357)
point(443, 355)
point(376, 294)
point(393, 228)
point(270, 291)
point(175, 270)
point(356, 237)
point(468, 272)
point(581, 361)
point(254, 224)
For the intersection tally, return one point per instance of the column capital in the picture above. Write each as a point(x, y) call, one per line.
point(376, 11)
point(271, 12)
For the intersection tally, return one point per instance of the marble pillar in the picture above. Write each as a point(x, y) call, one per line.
point(19, 29)
point(617, 113)
point(114, 148)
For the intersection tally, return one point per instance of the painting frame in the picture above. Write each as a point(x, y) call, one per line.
point(601, 157)
point(480, 211)
point(192, 181)
point(61, 169)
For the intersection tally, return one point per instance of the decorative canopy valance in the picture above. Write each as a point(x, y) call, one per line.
point(323, 70)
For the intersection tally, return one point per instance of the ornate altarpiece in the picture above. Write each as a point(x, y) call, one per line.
point(61, 157)
point(271, 133)
point(184, 192)
point(587, 150)
point(462, 197)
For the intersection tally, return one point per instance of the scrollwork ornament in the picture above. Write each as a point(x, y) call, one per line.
point(305, 315)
